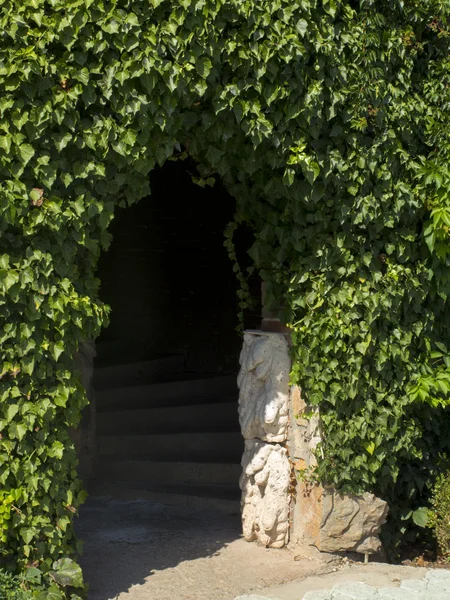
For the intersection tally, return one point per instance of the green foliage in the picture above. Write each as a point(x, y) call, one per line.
point(10, 587)
point(327, 120)
point(440, 514)
point(245, 300)
point(8, 499)
point(33, 585)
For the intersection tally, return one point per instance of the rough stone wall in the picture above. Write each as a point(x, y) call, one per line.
point(321, 516)
point(351, 523)
point(263, 414)
point(303, 440)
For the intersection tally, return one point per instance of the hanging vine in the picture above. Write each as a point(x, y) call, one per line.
point(328, 121)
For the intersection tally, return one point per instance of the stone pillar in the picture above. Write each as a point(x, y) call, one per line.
point(84, 435)
point(281, 498)
point(263, 415)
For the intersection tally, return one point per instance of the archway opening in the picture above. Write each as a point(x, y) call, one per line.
point(166, 367)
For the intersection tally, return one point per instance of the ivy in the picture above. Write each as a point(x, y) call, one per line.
point(328, 122)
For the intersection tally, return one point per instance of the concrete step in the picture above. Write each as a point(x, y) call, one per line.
point(137, 373)
point(171, 393)
point(197, 417)
point(168, 473)
point(121, 350)
point(204, 497)
point(219, 447)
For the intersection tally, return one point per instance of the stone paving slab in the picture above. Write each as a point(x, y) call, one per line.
point(405, 584)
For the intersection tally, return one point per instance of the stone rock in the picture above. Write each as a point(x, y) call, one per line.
point(306, 515)
point(304, 436)
point(395, 594)
point(442, 575)
point(321, 517)
point(305, 432)
point(264, 387)
point(265, 493)
point(318, 595)
point(414, 585)
point(351, 523)
point(253, 597)
point(354, 590)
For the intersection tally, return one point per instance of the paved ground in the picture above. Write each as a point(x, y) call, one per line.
point(372, 582)
point(147, 551)
point(136, 550)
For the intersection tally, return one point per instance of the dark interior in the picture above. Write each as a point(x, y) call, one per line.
point(165, 377)
point(168, 277)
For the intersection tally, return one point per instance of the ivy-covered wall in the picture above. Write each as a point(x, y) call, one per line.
point(327, 121)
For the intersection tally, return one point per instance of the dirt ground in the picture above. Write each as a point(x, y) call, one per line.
point(136, 550)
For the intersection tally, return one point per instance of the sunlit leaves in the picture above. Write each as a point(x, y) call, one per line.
point(329, 124)
point(203, 66)
point(26, 152)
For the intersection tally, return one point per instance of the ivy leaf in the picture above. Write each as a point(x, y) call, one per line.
point(17, 430)
point(36, 196)
point(11, 412)
point(367, 258)
point(61, 140)
point(129, 138)
point(61, 397)
point(370, 448)
point(5, 143)
point(203, 66)
point(27, 534)
point(26, 152)
point(302, 27)
point(83, 76)
point(288, 177)
point(57, 450)
point(57, 349)
point(8, 278)
point(312, 172)
point(120, 148)
point(33, 575)
point(421, 516)
point(330, 7)
point(67, 573)
point(53, 593)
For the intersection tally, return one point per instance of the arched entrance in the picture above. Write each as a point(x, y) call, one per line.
point(165, 374)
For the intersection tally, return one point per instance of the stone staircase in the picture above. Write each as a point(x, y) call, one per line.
point(166, 435)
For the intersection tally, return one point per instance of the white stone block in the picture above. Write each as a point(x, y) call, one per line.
point(264, 387)
point(265, 493)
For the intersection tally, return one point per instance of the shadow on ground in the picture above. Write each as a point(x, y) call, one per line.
point(127, 543)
